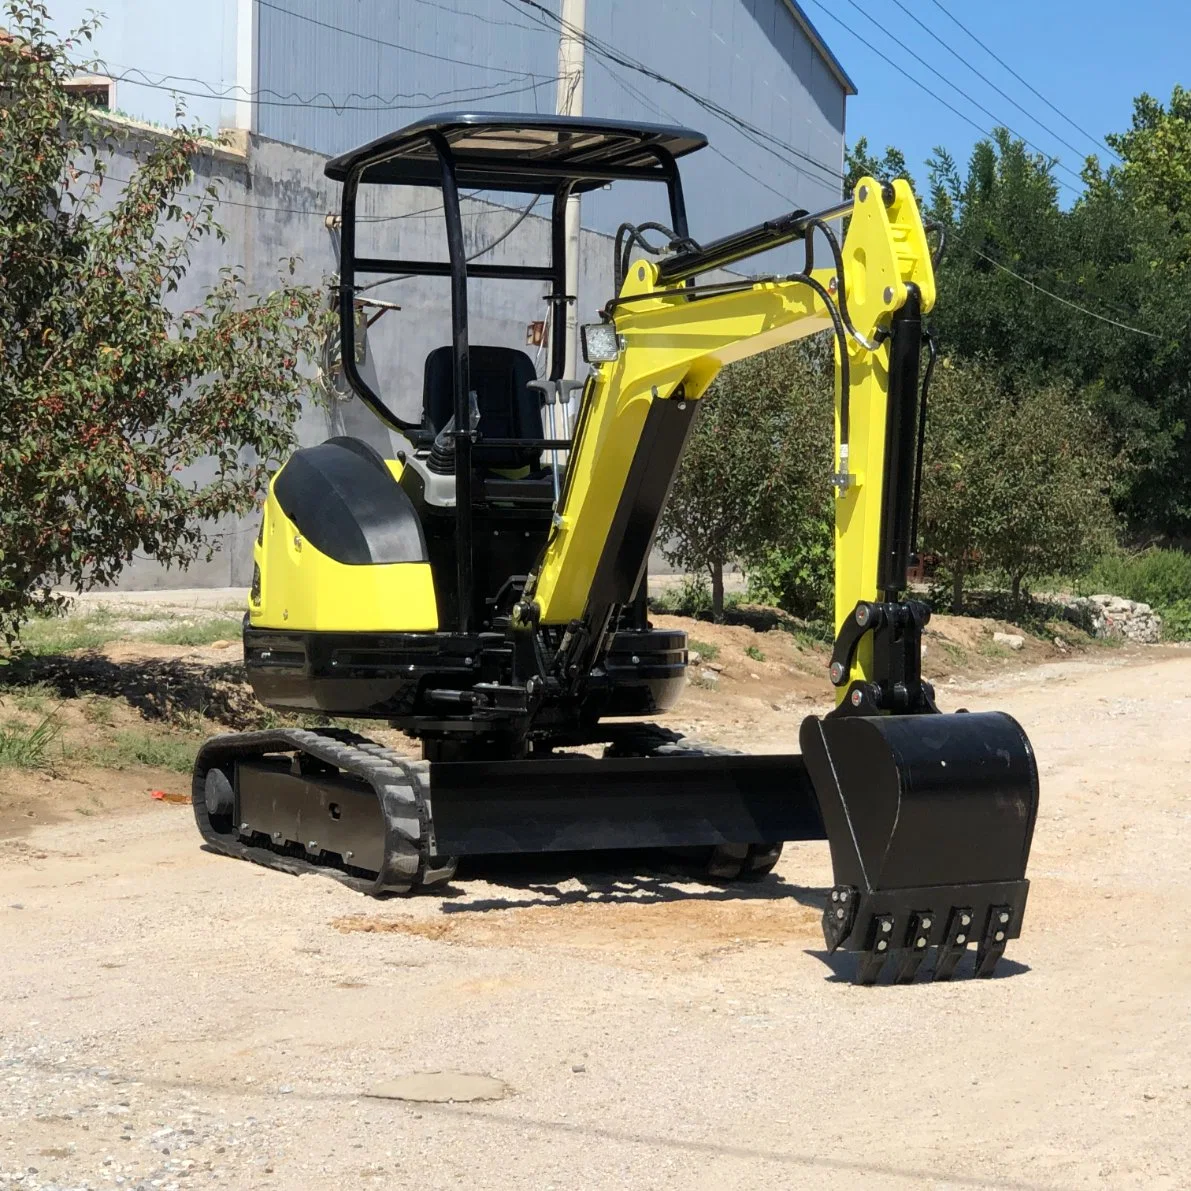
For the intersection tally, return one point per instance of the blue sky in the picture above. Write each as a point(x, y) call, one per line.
point(1088, 57)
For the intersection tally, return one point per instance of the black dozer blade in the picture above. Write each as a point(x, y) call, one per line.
point(929, 819)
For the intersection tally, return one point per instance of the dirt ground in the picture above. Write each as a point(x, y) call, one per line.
point(173, 1019)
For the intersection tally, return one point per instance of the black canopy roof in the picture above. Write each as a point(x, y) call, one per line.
point(528, 153)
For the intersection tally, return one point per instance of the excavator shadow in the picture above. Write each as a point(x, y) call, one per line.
point(611, 878)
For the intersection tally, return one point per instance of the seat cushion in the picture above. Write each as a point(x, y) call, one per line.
point(346, 504)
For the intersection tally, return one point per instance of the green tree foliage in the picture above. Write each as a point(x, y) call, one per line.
point(754, 479)
point(108, 393)
point(1014, 482)
point(860, 163)
point(1121, 250)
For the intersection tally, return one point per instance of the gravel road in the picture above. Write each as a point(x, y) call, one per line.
point(173, 1019)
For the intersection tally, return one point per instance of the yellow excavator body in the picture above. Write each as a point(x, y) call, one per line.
point(485, 589)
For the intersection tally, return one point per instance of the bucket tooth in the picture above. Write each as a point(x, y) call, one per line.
point(992, 945)
point(915, 947)
point(839, 915)
point(880, 948)
point(955, 942)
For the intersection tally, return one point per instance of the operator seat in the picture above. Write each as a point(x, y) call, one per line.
point(509, 408)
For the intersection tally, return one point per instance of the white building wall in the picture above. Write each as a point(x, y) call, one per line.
point(191, 51)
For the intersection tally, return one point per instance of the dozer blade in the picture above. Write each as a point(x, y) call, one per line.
point(929, 819)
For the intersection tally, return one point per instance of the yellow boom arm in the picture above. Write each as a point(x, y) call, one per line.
point(672, 345)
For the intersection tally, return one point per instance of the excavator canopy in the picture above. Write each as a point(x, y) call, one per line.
point(519, 153)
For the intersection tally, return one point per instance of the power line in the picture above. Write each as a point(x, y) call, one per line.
point(475, 16)
point(996, 58)
point(222, 200)
point(984, 78)
point(752, 132)
point(393, 45)
point(640, 97)
point(954, 86)
point(1058, 298)
point(917, 82)
point(337, 108)
point(238, 92)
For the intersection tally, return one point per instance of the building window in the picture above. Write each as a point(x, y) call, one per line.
point(96, 89)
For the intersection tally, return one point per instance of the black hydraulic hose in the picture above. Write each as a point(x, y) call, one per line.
point(936, 257)
point(717, 287)
point(629, 234)
point(837, 257)
point(931, 357)
point(845, 371)
point(729, 287)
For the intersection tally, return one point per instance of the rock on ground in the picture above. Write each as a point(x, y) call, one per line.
point(1115, 616)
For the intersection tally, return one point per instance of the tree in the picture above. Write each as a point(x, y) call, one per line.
point(860, 163)
point(756, 465)
point(1014, 482)
point(1096, 294)
point(1058, 518)
point(108, 394)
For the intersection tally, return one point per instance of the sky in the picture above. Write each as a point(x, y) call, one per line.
point(1088, 57)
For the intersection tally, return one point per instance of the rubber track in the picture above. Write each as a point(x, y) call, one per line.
point(728, 862)
point(402, 788)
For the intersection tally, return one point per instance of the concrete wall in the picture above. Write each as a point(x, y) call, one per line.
point(274, 203)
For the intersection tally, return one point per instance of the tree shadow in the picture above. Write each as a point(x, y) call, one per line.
point(166, 689)
point(613, 878)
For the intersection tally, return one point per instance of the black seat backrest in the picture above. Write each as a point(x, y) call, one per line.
point(509, 408)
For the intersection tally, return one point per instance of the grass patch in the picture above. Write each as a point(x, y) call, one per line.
point(131, 747)
point(993, 649)
point(24, 747)
point(99, 710)
point(38, 697)
point(955, 654)
point(706, 651)
point(46, 635)
point(810, 634)
point(751, 651)
point(202, 632)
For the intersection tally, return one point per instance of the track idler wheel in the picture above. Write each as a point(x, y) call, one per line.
point(929, 819)
point(742, 862)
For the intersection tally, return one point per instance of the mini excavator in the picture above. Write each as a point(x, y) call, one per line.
point(489, 599)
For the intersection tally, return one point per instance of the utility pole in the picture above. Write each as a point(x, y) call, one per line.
point(571, 48)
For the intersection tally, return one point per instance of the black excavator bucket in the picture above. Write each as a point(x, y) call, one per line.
point(929, 819)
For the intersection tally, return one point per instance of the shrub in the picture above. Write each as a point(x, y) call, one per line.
point(798, 576)
point(1160, 578)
